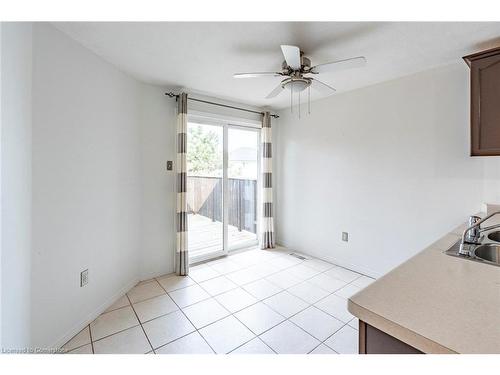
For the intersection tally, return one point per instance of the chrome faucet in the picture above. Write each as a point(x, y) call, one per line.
point(470, 237)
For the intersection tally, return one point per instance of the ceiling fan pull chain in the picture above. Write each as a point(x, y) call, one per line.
point(309, 100)
point(291, 98)
point(299, 105)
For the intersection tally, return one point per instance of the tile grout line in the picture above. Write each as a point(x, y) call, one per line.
point(256, 335)
point(114, 333)
point(140, 323)
point(270, 307)
point(259, 300)
point(183, 313)
point(242, 286)
point(79, 346)
point(254, 338)
point(91, 341)
point(231, 313)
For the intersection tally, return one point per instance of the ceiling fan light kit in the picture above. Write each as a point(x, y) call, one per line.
point(296, 84)
point(295, 67)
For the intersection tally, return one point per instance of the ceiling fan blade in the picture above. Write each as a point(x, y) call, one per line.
point(256, 75)
point(322, 87)
point(334, 66)
point(278, 89)
point(292, 56)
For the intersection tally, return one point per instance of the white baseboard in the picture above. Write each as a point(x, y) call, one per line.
point(339, 262)
point(151, 275)
point(92, 316)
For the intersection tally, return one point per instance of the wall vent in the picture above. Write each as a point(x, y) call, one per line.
point(298, 256)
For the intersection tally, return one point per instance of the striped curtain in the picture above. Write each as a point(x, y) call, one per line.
point(267, 224)
point(181, 255)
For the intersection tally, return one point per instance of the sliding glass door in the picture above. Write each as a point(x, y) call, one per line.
point(204, 190)
point(222, 187)
point(242, 171)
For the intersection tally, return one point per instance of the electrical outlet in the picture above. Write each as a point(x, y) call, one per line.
point(84, 278)
point(170, 165)
point(345, 236)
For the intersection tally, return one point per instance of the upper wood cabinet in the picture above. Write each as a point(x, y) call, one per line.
point(485, 102)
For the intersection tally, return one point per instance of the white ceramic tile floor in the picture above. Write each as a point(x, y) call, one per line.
point(236, 299)
point(226, 335)
point(323, 349)
point(226, 266)
point(302, 272)
point(287, 338)
point(256, 301)
point(173, 282)
point(167, 328)
point(190, 344)
point(347, 291)
point(363, 281)
point(86, 349)
point(81, 339)
point(343, 274)
point(130, 341)
point(145, 291)
point(317, 323)
point(308, 292)
point(335, 306)
point(243, 276)
point(205, 312)
point(262, 289)
point(189, 295)
point(318, 264)
point(154, 307)
point(259, 318)
point(113, 322)
point(286, 304)
point(118, 304)
point(284, 279)
point(344, 341)
point(203, 273)
point(327, 283)
point(255, 346)
point(218, 285)
point(354, 323)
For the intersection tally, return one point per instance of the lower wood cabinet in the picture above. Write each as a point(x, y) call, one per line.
point(375, 341)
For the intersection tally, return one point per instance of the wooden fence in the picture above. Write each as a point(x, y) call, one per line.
point(205, 198)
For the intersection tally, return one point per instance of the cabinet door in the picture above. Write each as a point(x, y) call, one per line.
point(375, 341)
point(485, 106)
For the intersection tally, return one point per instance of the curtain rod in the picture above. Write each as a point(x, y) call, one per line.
point(172, 95)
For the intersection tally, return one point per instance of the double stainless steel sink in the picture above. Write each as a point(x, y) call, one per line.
point(487, 251)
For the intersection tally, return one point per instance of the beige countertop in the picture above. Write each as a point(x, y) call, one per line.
point(435, 302)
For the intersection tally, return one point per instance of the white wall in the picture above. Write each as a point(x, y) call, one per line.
point(16, 184)
point(86, 185)
point(491, 185)
point(158, 135)
point(1, 184)
point(388, 163)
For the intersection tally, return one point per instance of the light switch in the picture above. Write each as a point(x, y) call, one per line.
point(170, 165)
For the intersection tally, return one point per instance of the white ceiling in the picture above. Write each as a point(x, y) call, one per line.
point(203, 56)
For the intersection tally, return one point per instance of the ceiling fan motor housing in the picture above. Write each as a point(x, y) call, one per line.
point(304, 62)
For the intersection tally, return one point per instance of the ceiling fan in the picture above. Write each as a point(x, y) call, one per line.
point(297, 68)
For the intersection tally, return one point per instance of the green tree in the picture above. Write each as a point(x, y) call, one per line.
point(203, 156)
